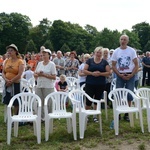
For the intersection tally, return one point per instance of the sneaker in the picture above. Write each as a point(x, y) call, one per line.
point(126, 118)
point(95, 120)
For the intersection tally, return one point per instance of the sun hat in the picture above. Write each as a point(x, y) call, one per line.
point(47, 51)
point(12, 46)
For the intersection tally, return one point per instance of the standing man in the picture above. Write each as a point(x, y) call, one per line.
point(60, 63)
point(125, 65)
point(146, 68)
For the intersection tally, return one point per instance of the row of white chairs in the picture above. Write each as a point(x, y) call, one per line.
point(118, 97)
point(58, 100)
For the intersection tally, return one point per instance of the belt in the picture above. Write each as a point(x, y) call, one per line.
point(126, 73)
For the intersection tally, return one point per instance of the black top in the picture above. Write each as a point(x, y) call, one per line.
point(62, 85)
point(100, 80)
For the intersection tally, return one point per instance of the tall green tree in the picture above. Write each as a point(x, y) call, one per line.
point(40, 33)
point(65, 48)
point(48, 44)
point(31, 47)
point(14, 28)
point(143, 31)
point(147, 46)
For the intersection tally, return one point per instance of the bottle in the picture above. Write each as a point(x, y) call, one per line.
point(112, 124)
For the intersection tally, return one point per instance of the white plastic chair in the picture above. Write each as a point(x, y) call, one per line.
point(104, 100)
point(144, 94)
point(24, 87)
point(77, 96)
point(31, 82)
point(113, 84)
point(25, 114)
point(58, 101)
point(2, 83)
point(140, 73)
point(119, 98)
point(71, 81)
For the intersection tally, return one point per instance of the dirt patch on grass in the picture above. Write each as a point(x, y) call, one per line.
point(142, 145)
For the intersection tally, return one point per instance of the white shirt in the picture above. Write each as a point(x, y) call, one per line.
point(43, 82)
point(124, 59)
point(82, 78)
point(28, 74)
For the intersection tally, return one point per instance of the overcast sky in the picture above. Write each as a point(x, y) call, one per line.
point(112, 14)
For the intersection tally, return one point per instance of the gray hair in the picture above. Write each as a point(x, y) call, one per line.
point(124, 35)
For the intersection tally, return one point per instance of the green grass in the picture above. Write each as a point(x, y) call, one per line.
point(61, 140)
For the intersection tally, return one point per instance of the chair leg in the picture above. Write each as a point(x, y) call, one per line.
point(35, 128)
point(141, 121)
point(38, 133)
point(116, 123)
point(47, 128)
point(69, 127)
point(15, 129)
point(9, 127)
point(105, 99)
point(100, 123)
point(131, 119)
point(82, 126)
point(148, 119)
point(50, 125)
point(74, 128)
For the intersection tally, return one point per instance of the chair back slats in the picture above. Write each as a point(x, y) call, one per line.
point(144, 92)
point(58, 101)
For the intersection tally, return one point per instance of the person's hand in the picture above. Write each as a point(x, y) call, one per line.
point(126, 76)
point(96, 73)
point(9, 83)
point(40, 73)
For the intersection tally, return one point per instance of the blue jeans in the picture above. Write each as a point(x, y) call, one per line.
point(128, 84)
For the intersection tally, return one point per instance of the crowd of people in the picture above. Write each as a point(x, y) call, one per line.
point(96, 70)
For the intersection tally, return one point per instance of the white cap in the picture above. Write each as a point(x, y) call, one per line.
point(47, 51)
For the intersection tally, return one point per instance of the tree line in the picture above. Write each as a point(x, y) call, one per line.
point(65, 36)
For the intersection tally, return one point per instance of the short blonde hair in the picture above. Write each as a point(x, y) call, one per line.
point(99, 49)
point(105, 49)
point(87, 55)
point(62, 76)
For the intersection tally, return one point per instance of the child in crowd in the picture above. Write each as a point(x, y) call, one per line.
point(63, 86)
point(28, 73)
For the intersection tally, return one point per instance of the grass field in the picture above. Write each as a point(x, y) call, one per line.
point(128, 138)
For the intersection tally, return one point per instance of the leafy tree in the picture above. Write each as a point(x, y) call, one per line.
point(91, 30)
point(147, 46)
point(40, 33)
point(31, 47)
point(107, 38)
point(143, 31)
point(65, 48)
point(14, 28)
point(48, 45)
point(81, 48)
